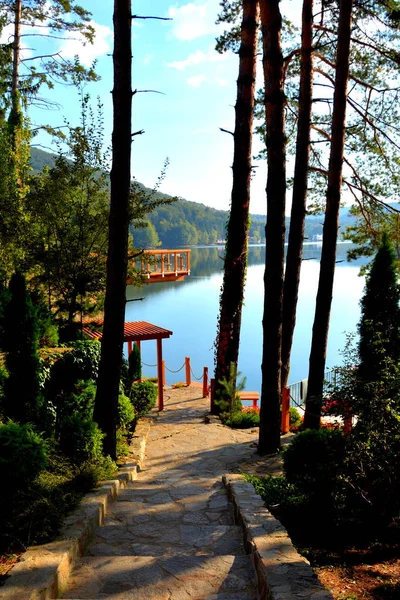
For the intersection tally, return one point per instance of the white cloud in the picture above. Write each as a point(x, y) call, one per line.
point(196, 81)
point(87, 52)
point(194, 20)
point(221, 82)
point(147, 59)
point(197, 58)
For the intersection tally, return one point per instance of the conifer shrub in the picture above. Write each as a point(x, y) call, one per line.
point(23, 454)
point(135, 364)
point(81, 440)
point(143, 397)
point(81, 363)
point(126, 412)
point(314, 461)
point(23, 397)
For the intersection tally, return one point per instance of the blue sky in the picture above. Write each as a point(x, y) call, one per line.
point(178, 59)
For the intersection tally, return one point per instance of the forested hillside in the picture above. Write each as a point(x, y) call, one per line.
point(183, 222)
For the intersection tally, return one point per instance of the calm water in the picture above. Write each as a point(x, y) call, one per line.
point(189, 308)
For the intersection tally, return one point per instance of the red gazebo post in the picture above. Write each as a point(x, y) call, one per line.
point(160, 375)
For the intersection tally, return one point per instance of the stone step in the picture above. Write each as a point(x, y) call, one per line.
point(223, 577)
point(155, 538)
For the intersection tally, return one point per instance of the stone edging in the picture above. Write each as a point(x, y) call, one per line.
point(43, 571)
point(281, 572)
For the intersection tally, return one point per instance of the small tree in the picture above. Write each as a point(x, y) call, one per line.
point(21, 337)
point(380, 315)
point(135, 364)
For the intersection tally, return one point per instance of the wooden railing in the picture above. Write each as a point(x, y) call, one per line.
point(165, 265)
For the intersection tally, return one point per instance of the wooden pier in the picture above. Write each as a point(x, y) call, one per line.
point(165, 265)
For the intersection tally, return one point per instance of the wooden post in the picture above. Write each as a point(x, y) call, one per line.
point(255, 401)
point(212, 395)
point(205, 382)
point(129, 348)
point(160, 375)
point(285, 422)
point(176, 263)
point(163, 372)
point(187, 369)
point(188, 260)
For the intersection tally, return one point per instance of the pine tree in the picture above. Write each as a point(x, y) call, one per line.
point(379, 326)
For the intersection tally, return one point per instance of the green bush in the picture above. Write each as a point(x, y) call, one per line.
point(81, 363)
point(81, 439)
point(314, 460)
point(294, 417)
point(143, 397)
point(23, 454)
point(22, 395)
point(244, 420)
point(273, 490)
point(126, 412)
point(135, 364)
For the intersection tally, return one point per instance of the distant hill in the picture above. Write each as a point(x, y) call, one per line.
point(187, 223)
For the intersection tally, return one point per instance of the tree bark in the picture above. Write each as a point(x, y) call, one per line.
point(328, 257)
point(231, 300)
point(271, 24)
point(106, 405)
point(299, 200)
point(15, 113)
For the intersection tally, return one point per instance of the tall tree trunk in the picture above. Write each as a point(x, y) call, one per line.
point(328, 256)
point(271, 24)
point(15, 113)
point(298, 213)
point(227, 343)
point(106, 404)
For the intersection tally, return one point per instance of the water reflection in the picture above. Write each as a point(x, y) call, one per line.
point(190, 308)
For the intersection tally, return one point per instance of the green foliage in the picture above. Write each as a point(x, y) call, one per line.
point(126, 412)
point(294, 417)
point(81, 439)
point(82, 363)
point(135, 365)
point(143, 397)
point(23, 454)
point(313, 463)
point(69, 237)
point(244, 419)
point(379, 326)
point(273, 490)
point(22, 388)
point(228, 401)
point(48, 329)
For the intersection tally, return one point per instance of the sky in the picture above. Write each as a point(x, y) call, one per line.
point(198, 92)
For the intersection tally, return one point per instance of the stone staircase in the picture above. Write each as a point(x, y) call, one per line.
point(170, 535)
point(167, 542)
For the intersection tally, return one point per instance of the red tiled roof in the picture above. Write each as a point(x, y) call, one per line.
point(135, 331)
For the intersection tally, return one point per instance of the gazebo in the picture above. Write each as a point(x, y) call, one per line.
point(140, 331)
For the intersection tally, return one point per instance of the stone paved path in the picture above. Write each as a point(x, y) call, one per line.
point(171, 535)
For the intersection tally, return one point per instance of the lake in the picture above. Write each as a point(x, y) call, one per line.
point(189, 308)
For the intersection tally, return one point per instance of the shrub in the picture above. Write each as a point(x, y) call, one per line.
point(135, 364)
point(23, 454)
point(143, 397)
point(126, 412)
point(81, 439)
point(245, 419)
point(313, 462)
point(295, 419)
point(22, 388)
point(228, 402)
point(81, 363)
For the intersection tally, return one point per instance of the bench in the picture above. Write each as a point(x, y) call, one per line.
point(250, 396)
